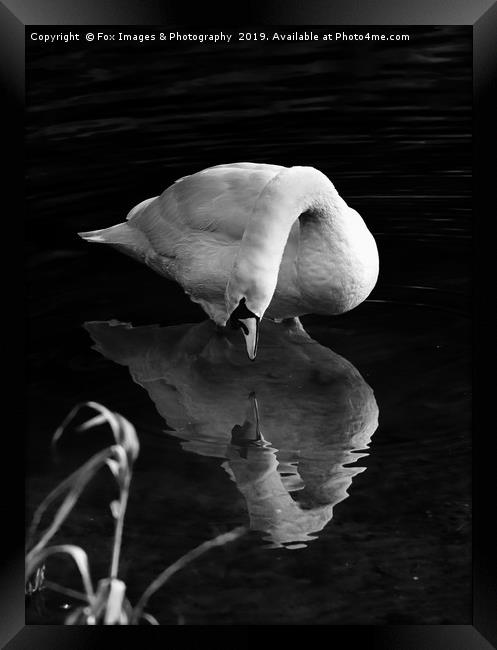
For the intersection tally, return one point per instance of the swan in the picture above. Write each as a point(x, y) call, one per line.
point(249, 240)
point(296, 422)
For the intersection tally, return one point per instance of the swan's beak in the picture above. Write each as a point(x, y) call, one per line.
point(259, 438)
point(245, 319)
point(250, 329)
point(245, 435)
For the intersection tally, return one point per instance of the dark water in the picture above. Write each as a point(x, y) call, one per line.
point(346, 450)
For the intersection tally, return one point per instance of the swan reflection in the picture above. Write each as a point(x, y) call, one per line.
point(288, 425)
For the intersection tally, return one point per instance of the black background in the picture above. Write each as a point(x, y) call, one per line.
point(111, 123)
point(410, 636)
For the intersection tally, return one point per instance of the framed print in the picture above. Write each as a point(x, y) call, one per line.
point(255, 295)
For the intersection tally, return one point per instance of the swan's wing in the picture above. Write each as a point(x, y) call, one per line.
point(217, 200)
point(191, 232)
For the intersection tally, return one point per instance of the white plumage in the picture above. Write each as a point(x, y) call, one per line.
point(278, 240)
point(296, 419)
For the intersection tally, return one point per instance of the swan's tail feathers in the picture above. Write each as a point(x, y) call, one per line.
point(128, 240)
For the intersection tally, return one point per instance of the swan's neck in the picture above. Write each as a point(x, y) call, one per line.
point(326, 233)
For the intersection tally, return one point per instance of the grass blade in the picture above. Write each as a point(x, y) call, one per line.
point(150, 619)
point(37, 557)
point(162, 578)
point(123, 431)
point(70, 593)
point(115, 599)
point(74, 485)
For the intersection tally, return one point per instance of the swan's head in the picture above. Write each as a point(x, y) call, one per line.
point(248, 294)
point(253, 280)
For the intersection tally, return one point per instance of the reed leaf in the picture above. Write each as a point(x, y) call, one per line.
point(73, 485)
point(108, 605)
point(150, 619)
point(163, 577)
point(37, 557)
point(123, 431)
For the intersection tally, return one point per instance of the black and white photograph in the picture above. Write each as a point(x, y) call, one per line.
point(249, 276)
point(249, 280)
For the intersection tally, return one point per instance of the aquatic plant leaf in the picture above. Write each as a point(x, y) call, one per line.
point(114, 467)
point(114, 614)
point(150, 619)
point(37, 557)
point(123, 431)
point(162, 578)
point(110, 607)
point(37, 582)
point(120, 467)
point(92, 422)
point(115, 508)
point(73, 485)
point(128, 438)
point(70, 593)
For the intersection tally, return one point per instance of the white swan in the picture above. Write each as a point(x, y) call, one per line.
point(246, 240)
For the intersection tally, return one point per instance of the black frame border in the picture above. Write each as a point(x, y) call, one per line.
point(15, 15)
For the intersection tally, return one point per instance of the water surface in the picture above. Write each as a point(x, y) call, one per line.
point(345, 448)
